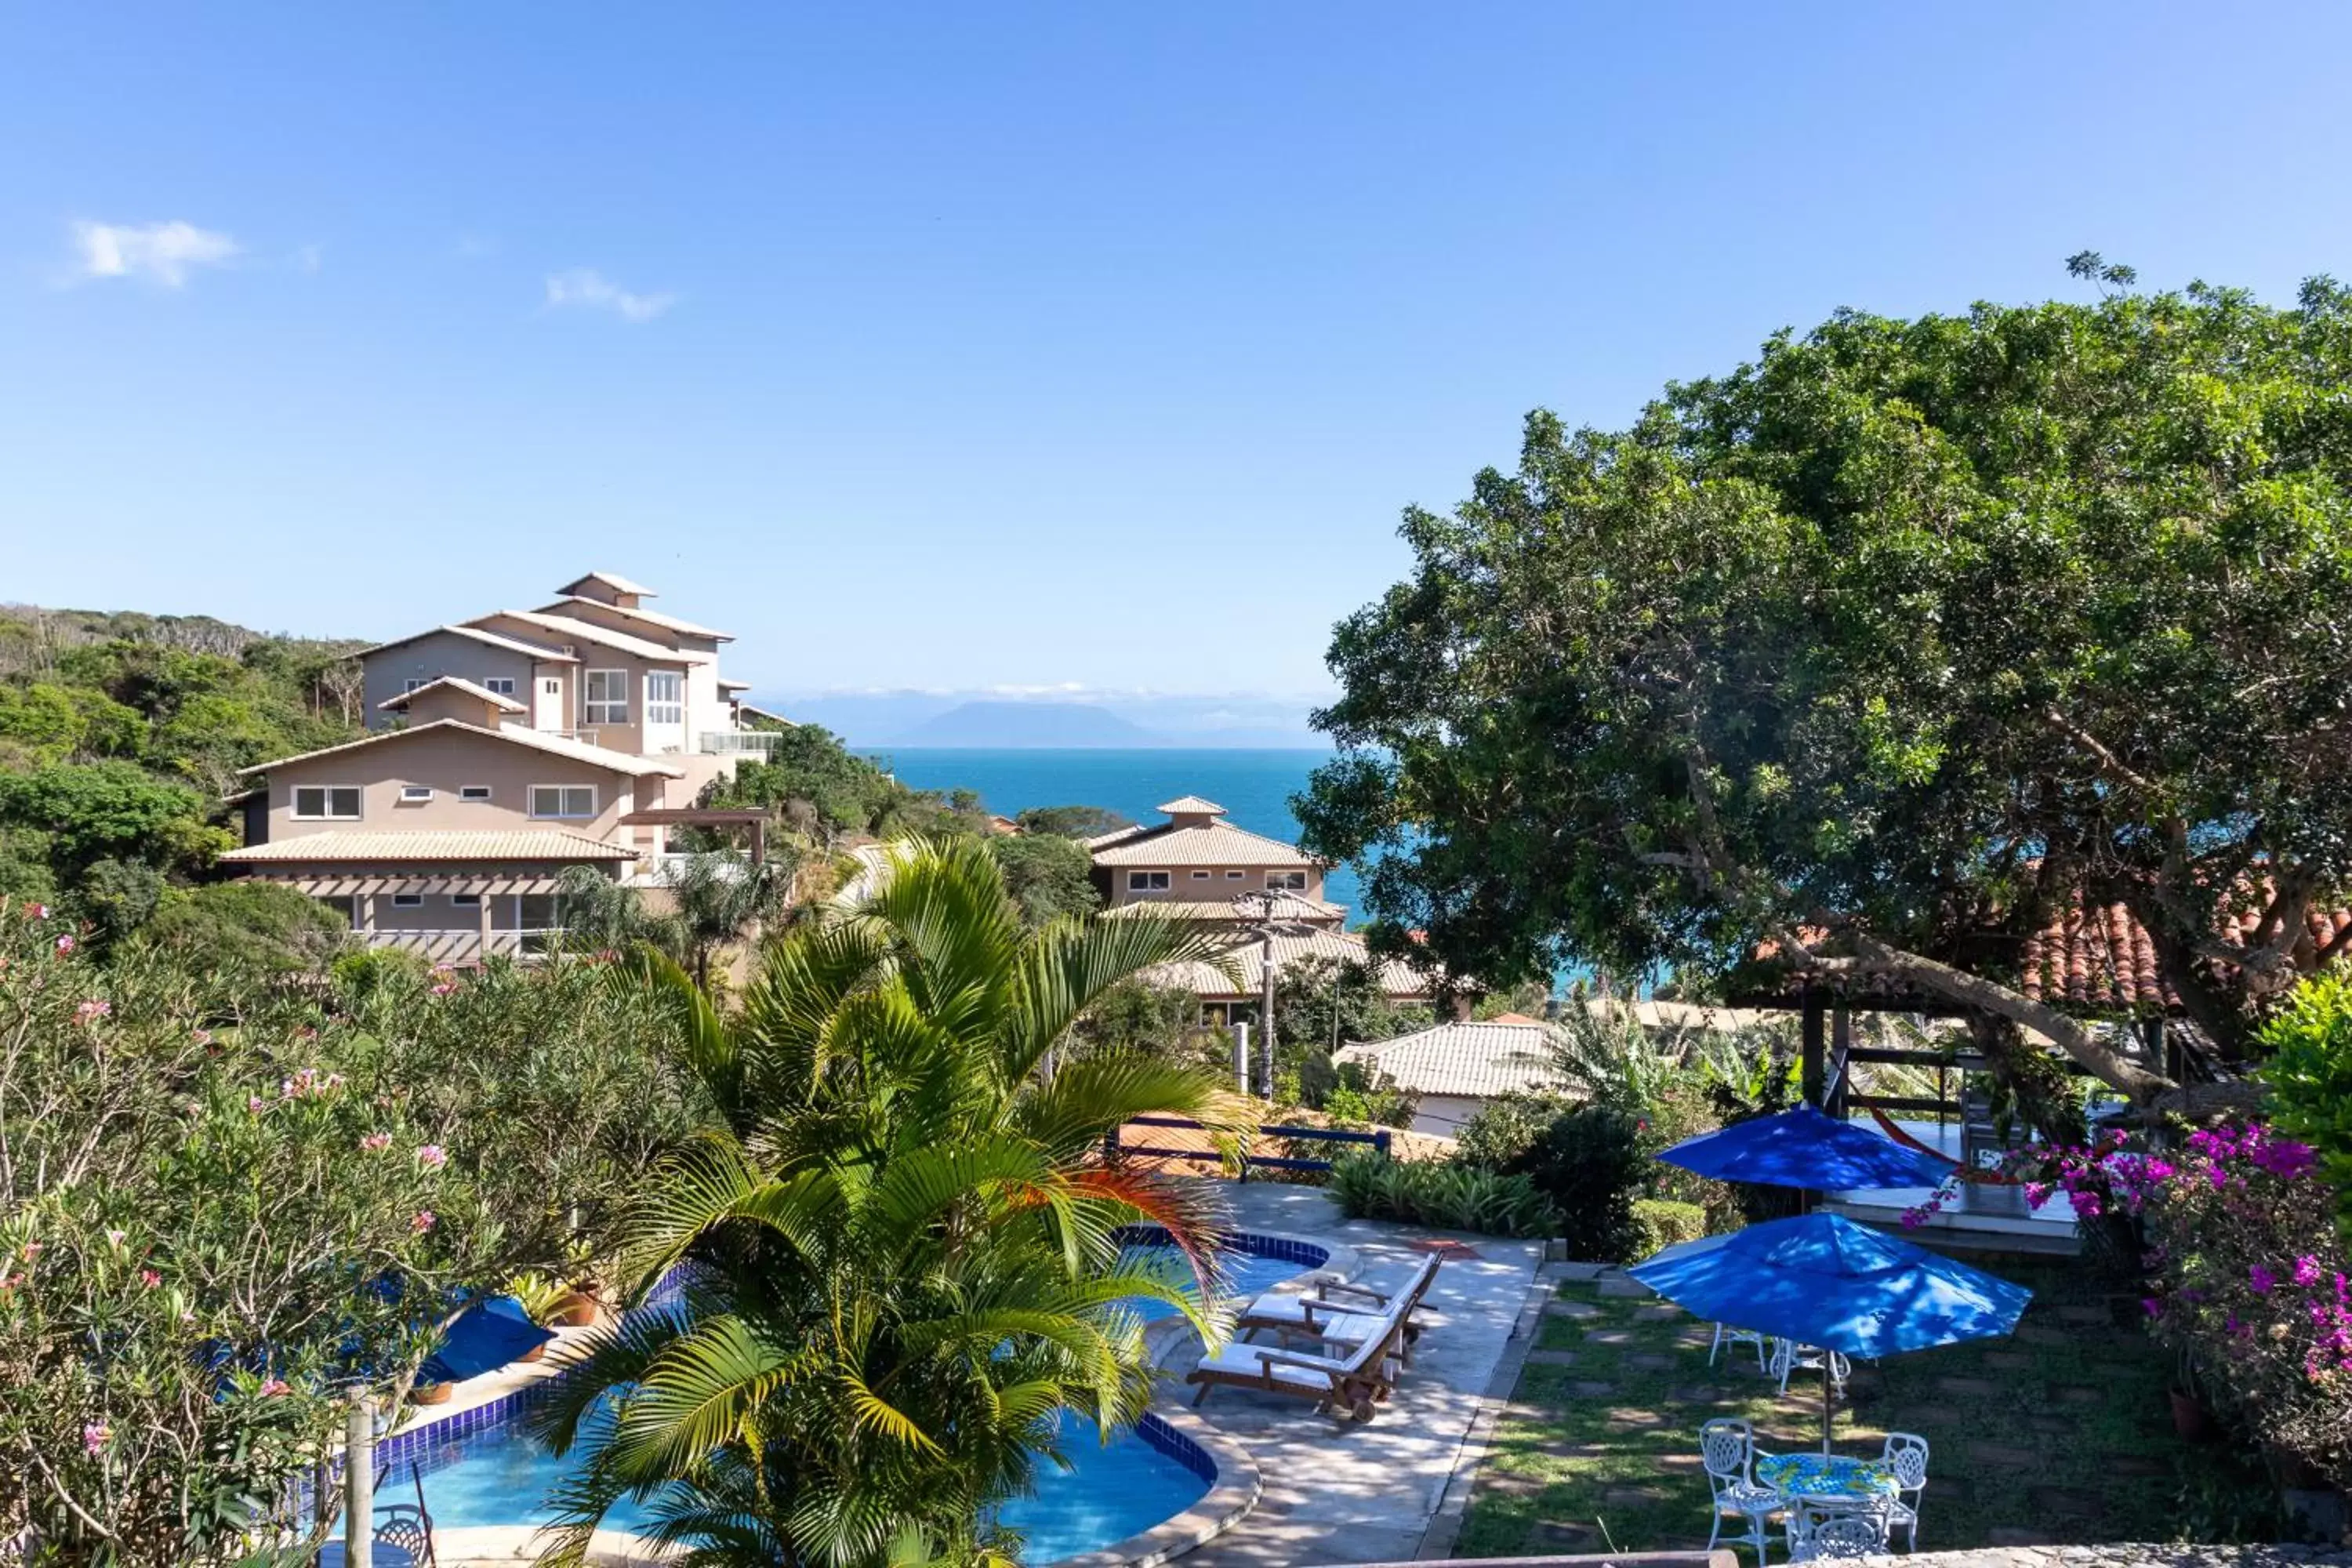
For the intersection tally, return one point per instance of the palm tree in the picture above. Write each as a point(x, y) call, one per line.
point(895, 1262)
point(714, 899)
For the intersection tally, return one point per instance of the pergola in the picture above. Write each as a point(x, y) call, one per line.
point(703, 816)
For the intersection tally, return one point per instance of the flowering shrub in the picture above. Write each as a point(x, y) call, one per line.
point(2249, 1280)
point(2310, 1075)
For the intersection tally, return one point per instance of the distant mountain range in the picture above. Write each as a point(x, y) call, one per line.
point(976, 720)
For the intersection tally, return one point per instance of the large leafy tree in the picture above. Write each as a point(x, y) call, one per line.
point(1885, 649)
point(899, 1253)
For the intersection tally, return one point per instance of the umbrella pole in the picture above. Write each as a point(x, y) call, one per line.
point(1829, 1407)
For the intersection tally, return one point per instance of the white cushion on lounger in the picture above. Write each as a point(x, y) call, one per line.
point(1351, 1328)
point(1242, 1360)
point(1283, 1306)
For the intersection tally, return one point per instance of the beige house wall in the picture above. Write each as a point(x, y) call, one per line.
point(630, 736)
point(1219, 882)
point(447, 761)
point(389, 671)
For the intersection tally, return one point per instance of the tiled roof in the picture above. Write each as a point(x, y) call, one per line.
point(1208, 844)
point(430, 844)
point(637, 613)
point(579, 751)
point(1248, 954)
point(495, 639)
point(1293, 907)
point(454, 683)
point(1479, 1061)
point(613, 580)
point(570, 628)
point(1191, 806)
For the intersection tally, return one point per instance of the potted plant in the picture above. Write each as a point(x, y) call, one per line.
point(2191, 1417)
point(543, 1300)
point(432, 1392)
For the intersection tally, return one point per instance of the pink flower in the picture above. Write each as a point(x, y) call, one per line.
point(375, 1142)
point(432, 1156)
point(444, 989)
point(9, 1282)
point(422, 1222)
point(2306, 1271)
point(115, 1237)
point(2260, 1278)
point(89, 1012)
point(255, 1103)
point(201, 1036)
point(2036, 1193)
point(2152, 1306)
point(272, 1387)
point(64, 945)
point(32, 1250)
point(94, 1436)
point(150, 1279)
point(38, 911)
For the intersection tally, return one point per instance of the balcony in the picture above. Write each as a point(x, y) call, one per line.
point(463, 945)
point(738, 743)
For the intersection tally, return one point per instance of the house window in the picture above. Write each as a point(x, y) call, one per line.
point(332, 803)
point(564, 800)
point(1235, 876)
point(467, 901)
point(1147, 881)
point(408, 901)
point(415, 792)
point(1285, 881)
point(606, 699)
point(498, 685)
point(552, 688)
point(665, 697)
point(412, 684)
point(1200, 876)
point(473, 792)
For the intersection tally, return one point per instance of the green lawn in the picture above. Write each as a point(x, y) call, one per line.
point(2060, 1434)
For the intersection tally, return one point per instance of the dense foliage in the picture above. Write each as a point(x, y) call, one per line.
point(1048, 876)
point(1885, 649)
point(220, 1202)
point(1446, 1194)
point(901, 1249)
point(831, 795)
point(2310, 1075)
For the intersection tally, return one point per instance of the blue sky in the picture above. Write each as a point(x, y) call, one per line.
point(966, 346)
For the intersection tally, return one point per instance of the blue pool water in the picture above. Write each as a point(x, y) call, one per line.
point(479, 1469)
point(498, 1477)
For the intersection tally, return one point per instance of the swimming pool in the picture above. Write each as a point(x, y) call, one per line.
point(1250, 1262)
point(478, 1467)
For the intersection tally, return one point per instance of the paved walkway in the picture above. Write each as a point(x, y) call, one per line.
point(1348, 1492)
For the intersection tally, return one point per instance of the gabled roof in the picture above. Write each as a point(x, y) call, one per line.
point(431, 844)
point(454, 683)
point(726, 685)
point(613, 580)
point(1189, 805)
point(638, 612)
point(1195, 844)
point(573, 630)
point(578, 750)
point(1477, 1060)
point(773, 718)
point(1292, 907)
point(495, 639)
point(1248, 953)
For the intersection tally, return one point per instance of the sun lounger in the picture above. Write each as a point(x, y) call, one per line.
point(1340, 1314)
point(1352, 1384)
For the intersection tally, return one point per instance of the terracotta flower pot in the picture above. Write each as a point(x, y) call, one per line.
point(577, 1310)
point(534, 1354)
point(432, 1392)
point(2190, 1420)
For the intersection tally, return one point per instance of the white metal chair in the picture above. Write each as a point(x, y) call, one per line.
point(1789, 1357)
point(1725, 1334)
point(1726, 1450)
point(1907, 1455)
point(1829, 1536)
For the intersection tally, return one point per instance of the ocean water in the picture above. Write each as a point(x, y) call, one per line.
point(1254, 786)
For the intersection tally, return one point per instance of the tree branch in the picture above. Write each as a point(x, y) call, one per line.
point(2114, 766)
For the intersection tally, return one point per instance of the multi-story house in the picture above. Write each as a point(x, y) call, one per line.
point(505, 749)
point(1263, 898)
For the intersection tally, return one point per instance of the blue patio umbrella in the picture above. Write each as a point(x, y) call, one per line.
point(1821, 1280)
point(1803, 1148)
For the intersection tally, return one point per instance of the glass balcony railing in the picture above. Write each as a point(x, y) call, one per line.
point(738, 743)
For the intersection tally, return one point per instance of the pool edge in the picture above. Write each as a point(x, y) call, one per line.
point(1225, 1504)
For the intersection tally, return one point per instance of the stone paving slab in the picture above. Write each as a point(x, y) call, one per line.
point(1342, 1491)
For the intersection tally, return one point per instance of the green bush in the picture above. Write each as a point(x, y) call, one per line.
point(1499, 1131)
point(1589, 1164)
point(1445, 1195)
point(1665, 1222)
point(259, 923)
point(2310, 1075)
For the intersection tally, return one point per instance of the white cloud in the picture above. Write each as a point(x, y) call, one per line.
point(163, 252)
point(591, 290)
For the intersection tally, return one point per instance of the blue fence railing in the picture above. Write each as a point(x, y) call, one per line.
point(1114, 1148)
